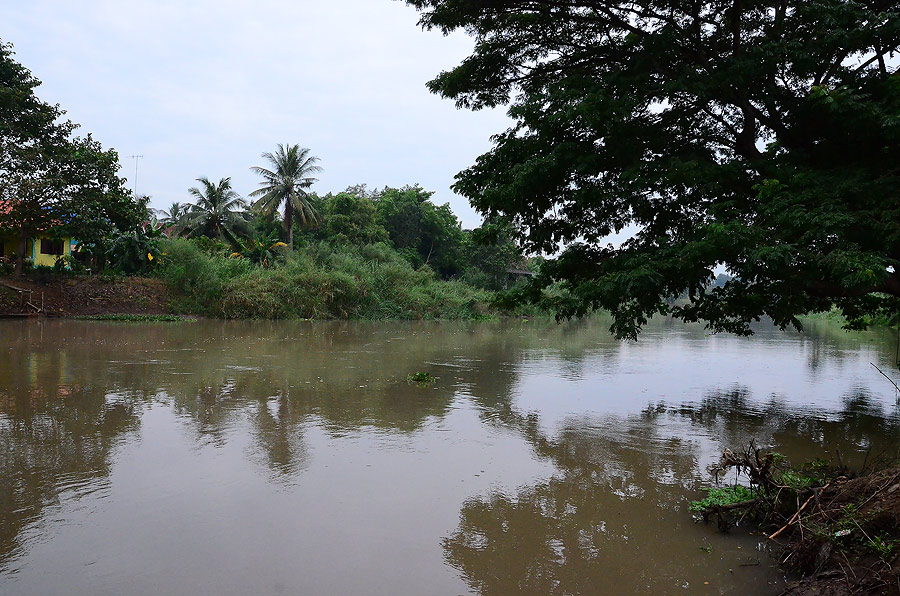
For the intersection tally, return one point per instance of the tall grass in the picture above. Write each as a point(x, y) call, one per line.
point(319, 281)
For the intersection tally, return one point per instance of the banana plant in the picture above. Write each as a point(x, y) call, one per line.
point(262, 250)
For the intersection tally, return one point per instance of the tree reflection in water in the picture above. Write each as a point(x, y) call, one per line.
point(56, 441)
point(72, 391)
point(613, 520)
point(611, 516)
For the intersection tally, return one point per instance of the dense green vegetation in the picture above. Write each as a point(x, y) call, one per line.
point(318, 280)
point(360, 254)
point(721, 496)
point(762, 136)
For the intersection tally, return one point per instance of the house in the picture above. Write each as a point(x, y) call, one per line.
point(42, 250)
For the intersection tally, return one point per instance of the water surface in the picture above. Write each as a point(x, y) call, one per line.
point(294, 458)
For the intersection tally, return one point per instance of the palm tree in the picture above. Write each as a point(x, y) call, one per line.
point(286, 183)
point(218, 212)
point(174, 216)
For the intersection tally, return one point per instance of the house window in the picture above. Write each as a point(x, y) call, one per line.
point(51, 247)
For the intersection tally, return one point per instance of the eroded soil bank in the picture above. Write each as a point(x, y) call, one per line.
point(79, 296)
point(847, 540)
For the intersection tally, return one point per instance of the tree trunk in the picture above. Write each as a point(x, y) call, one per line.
point(289, 222)
point(20, 253)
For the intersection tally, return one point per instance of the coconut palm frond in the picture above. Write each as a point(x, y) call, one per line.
point(304, 212)
point(284, 183)
point(217, 211)
point(267, 204)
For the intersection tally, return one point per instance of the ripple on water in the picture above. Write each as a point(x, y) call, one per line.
point(554, 453)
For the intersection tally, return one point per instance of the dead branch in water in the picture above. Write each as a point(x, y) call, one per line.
point(889, 380)
point(751, 462)
point(799, 511)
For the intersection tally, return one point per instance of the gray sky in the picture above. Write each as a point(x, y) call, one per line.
point(202, 87)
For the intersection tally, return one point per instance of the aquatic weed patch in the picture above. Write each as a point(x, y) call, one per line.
point(133, 318)
point(421, 378)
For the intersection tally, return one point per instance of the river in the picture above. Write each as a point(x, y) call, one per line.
point(231, 458)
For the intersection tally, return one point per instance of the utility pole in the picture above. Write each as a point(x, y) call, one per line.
point(135, 158)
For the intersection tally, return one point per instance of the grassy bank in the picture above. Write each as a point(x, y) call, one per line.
point(836, 316)
point(317, 281)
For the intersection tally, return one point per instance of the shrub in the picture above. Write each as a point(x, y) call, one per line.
point(212, 247)
point(726, 495)
point(319, 280)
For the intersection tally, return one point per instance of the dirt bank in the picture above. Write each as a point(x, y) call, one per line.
point(847, 541)
point(840, 531)
point(61, 296)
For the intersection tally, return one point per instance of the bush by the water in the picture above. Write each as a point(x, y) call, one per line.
point(725, 495)
point(319, 280)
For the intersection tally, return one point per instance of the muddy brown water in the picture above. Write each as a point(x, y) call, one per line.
point(294, 458)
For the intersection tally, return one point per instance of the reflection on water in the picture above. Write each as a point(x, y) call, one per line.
point(614, 515)
point(290, 457)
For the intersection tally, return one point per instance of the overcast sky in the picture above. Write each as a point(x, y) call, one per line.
point(202, 87)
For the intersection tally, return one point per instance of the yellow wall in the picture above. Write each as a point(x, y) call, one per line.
point(33, 250)
point(48, 260)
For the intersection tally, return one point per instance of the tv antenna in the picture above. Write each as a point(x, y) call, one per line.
point(135, 158)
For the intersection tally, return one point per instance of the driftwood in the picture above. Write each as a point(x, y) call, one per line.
point(752, 462)
point(887, 377)
point(799, 511)
point(769, 507)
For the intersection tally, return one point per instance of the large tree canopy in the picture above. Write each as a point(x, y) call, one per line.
point(97, 205)
point(32, 144)
point(758, 135)
point(428, 234)
point(348, 217)
point(50, 181)
point(23, 116)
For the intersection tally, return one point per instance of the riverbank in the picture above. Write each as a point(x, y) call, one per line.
point(839, 533)
point(847, 539)
point(318, 282)
point(75, 296)
point(256, 295)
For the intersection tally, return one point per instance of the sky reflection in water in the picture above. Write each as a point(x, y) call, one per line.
point(291, 457)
